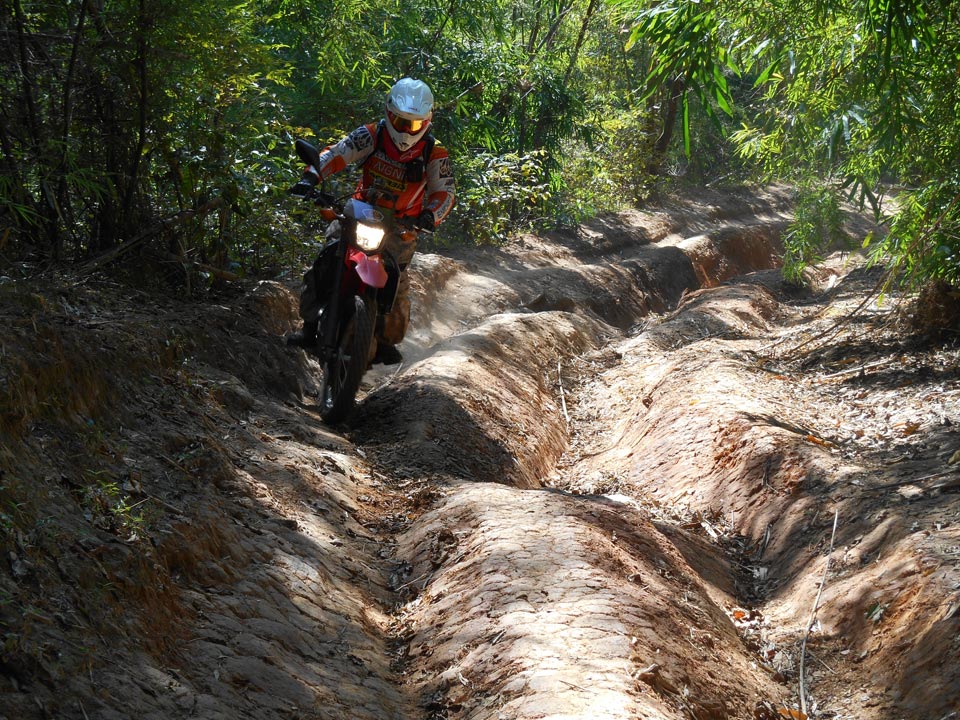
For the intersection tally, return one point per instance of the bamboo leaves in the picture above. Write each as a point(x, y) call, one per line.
point(686, 41)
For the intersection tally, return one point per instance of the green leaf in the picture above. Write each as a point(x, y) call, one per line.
point(765, 75)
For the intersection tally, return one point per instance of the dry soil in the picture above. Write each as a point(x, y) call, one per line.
point(623, 472)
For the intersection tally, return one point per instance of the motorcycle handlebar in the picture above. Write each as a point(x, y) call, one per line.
point(411, 224)
point(317, 196)
point(307, 189)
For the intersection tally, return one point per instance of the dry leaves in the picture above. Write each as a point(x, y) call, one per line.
point(788, 713)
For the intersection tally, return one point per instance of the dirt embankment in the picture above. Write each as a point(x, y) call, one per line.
point(603, 484)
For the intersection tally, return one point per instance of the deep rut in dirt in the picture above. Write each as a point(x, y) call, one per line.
point(669, 568)
point(541, 603)
point(589, 492)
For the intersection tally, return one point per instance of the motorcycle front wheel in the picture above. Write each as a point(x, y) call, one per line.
point(344, 370)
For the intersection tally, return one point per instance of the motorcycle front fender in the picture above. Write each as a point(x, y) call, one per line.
point(369, 267)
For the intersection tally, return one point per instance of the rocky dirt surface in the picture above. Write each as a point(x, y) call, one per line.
point(622, 473)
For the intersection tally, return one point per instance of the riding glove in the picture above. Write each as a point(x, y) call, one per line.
point(306, 184)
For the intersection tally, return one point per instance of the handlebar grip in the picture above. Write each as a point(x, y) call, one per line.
point(301, 189)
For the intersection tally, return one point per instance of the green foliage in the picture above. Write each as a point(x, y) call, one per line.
point(108, 507)
point(175, 122)
point(817, 224)
point(619, 167)
point(864, 99)
point(688, 51)
point(500, 195)
point(924, 237)
point(863, 91)
point(117, 115)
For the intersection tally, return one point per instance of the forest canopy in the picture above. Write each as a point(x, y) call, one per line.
point(141, 124)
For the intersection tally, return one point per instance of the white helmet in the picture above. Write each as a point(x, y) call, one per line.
point(409, 109)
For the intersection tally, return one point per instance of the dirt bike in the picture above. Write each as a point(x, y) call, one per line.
point(356, 278)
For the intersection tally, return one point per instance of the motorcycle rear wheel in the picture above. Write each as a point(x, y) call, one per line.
point(343, 371)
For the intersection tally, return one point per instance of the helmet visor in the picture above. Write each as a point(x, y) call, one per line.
point(405, 125)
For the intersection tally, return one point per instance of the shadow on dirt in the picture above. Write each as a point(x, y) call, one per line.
point(524, 592)
point(418, 428)
point(617, 290)
point(184, 544)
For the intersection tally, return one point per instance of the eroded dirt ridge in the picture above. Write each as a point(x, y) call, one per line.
point(601, 486)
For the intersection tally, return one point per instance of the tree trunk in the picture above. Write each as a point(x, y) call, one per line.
point(63, 197)
point(133, 179)
point(677, 90)
point(46, 200)
point(543, 122)
point(575, 53)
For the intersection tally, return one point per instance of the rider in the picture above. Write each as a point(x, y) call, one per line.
point(403, 169)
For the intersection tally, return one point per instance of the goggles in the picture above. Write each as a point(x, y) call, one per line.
point(405, 125)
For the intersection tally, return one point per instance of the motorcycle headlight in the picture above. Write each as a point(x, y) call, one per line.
point(369, 237)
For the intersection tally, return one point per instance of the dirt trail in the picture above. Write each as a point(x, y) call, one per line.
point(602, 485)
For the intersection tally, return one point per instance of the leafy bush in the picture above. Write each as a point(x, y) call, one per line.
point(817, 225)
point(498, 196)
point(924, 238)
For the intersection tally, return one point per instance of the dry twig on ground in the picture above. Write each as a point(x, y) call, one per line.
point(813, 613)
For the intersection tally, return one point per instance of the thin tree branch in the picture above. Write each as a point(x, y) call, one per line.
point(173, 221)
point(63, 199)
point(547, 41)
point(575, 53)
point(142, 126)
point(25, 73)
point(813, 613)
point(446, 18)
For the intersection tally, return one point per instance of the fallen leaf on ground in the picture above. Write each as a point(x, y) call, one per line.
point(788, 713)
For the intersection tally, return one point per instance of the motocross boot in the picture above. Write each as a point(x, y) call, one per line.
point(387, 355)
point(302, 338)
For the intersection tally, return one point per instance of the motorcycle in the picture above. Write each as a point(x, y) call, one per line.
point(356, 277)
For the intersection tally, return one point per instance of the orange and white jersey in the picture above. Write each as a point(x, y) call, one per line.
point(408, 182)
